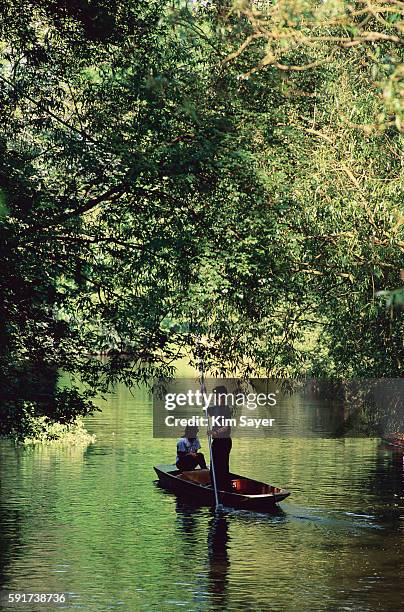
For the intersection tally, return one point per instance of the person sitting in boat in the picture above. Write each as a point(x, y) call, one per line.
point(188, 457)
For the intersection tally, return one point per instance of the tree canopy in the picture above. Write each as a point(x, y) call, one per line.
point(180, 170)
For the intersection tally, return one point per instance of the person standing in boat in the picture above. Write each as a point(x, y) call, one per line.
point(188, 457)
point(221, 440)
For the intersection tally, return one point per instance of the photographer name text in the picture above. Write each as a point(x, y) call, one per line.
point(218, 421)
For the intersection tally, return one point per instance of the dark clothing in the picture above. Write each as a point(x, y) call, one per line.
point(221, 448)
point(220, 414)
point(188, 462)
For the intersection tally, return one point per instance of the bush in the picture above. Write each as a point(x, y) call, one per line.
point(43, 430)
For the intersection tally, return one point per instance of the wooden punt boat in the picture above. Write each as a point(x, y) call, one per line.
point(396, 440)
point(247, 494)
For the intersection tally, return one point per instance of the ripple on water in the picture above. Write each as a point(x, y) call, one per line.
point(93, 522)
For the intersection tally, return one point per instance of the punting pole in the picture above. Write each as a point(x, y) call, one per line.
point(203, 390)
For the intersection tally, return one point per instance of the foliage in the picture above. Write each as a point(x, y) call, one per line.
point(29, 415)
point(36, 429)
point(150, 190)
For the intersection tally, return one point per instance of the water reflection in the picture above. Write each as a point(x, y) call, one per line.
point(191, 523)
point(187, 522)
point(387, 478)
point(218, 560)
point(10, 540)
point(194, 521)
point(92, 522)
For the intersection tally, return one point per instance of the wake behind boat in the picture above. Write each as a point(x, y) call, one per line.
point(246, 494)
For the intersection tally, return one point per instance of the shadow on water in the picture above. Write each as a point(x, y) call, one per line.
point(194, 522)
point(218, 560)
point(191, 524)
point(387, 478)
point(12, 519)
point(187, 521)
point(10, 540)
point(90, 521)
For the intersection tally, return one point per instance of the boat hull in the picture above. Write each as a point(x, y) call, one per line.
point(173, 480)
point(394, 441)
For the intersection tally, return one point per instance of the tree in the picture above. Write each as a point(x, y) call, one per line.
point(151, 195)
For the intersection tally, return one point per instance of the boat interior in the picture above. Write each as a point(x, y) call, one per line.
point(242, 486)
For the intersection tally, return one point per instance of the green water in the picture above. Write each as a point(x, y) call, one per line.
point(93, 523)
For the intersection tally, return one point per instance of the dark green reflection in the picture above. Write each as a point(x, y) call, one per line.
point(91, 521)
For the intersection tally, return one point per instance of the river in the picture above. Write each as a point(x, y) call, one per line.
point(93, 523)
